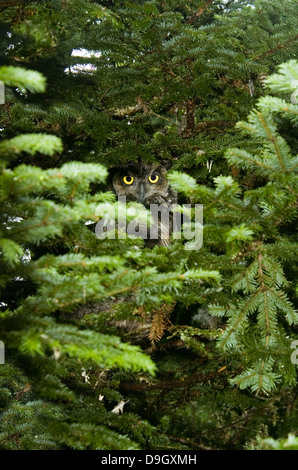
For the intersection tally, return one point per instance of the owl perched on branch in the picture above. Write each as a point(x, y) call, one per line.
point(146, 184)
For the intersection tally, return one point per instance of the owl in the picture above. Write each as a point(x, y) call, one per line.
point(144, 183)
point(147, 184)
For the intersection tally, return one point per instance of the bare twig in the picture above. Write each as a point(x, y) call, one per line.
point(169, 384)
point(200, 11)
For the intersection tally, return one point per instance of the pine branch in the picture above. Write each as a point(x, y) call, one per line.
point(12, 3)
point(32, 143)
point(281, 46)
point(160, 322)
point(22, 78)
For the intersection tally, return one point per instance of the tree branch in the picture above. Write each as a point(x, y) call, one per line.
point(12, 3)
point(277, 48)
point(200, 11)
point(169, 384)
point(190, 109)
point(221, 124)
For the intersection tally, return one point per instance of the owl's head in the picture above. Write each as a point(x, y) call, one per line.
point(144, 183)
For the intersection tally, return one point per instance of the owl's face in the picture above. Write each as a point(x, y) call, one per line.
point(146, 184)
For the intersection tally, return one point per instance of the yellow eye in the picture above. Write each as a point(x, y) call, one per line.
point(128, 179)
point(153, 178)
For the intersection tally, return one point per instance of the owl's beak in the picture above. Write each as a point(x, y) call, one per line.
point(142, 193)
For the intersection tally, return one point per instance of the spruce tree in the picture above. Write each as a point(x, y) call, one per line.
point(156, 81)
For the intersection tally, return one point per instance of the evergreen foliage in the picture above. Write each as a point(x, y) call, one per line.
point(210, 87)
